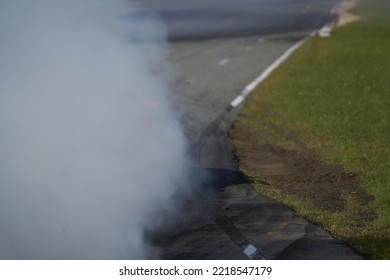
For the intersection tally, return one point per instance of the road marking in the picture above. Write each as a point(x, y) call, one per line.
point(325, 31)
point(223, 61)
point(237, 101)
point(249, 88)
point(190, 81)
point(335, 12)
point(250, 250)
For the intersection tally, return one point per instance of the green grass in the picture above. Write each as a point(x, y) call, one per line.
point(335, 93)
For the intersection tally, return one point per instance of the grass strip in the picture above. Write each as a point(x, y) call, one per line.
point(328, 107)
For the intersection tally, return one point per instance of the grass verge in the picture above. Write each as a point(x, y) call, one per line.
point(318, 131)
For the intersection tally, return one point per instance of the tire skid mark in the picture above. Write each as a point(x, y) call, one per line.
point(220, 218)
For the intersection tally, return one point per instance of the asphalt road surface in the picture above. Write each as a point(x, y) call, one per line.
point(201, 19)
point(217, 48)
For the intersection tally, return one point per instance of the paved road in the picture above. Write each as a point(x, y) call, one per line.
point(243, 38)
point(200, 19)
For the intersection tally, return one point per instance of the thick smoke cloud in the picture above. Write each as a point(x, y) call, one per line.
point(90, 151)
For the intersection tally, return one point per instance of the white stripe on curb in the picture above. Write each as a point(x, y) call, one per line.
point(249, 88)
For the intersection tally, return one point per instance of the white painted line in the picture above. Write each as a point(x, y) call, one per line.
point(190, 81)
point(237, 101)
point(224, 61)
point(325, 31)
point(250, 250)
point(249, 88)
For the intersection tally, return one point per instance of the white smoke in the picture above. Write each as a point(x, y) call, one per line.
point(90, 151)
